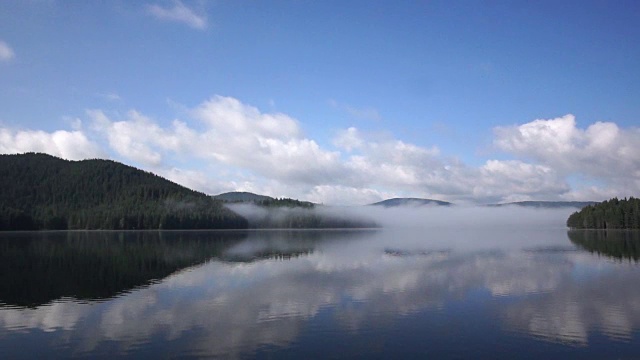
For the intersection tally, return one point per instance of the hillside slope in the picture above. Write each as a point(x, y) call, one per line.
point(39, 191)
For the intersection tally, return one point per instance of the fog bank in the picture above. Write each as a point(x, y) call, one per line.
point(432, 217)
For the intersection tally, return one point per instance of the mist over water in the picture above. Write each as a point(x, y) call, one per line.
point(467, 217)
point(463, 228)
point(440, 217)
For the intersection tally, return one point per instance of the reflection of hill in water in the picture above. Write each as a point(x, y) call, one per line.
point(36, 268)
point(619, 244)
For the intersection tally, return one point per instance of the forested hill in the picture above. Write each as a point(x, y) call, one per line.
point(39, 191)
point(610, 214)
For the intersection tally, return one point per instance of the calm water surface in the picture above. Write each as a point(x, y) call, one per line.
point(527, 293)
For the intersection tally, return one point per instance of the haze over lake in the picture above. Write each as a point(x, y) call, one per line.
point(485, 291)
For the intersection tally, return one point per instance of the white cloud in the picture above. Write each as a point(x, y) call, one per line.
point(602, 151)
point(139, 139)
point(71, 145)
point(229, 133)
point(271, 145)
point(524, 181)
point(6, 52)
point(179, 12)
point(269, 153)
point(348, 139)
point(225, 145)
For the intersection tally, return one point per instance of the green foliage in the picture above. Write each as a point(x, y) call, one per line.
point(610, 214)
point(39, 192)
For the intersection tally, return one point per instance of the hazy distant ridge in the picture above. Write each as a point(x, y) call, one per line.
point(410, 202)
point(548, 204)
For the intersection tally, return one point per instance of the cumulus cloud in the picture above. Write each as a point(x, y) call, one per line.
point(228, 133)
point(6, 52)
point(270, 152)
point(417, 170)
point(270, 144)
point(223, 144)
point(140, 139)
point(525, 181)
point(601, 151)
point(71, 145)
point(179, 12)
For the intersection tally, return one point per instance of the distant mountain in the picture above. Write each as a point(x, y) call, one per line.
point(261, 200)
point(43, 192)
point(410, 202)
point(241, 196)
point(548, 204)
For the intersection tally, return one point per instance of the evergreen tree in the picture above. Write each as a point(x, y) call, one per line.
point(610, 214)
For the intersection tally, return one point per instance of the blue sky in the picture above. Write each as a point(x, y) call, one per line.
point(340, 102)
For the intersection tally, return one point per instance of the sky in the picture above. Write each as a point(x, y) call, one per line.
point(335, 102)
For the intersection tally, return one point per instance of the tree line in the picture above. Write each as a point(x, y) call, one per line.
point(610, 214)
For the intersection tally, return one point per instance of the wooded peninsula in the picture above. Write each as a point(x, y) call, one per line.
point(610, 214)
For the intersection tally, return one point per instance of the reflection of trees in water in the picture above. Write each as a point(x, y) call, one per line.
point(37, 268)
point(619, 244)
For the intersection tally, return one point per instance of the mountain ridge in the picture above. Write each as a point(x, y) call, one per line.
point(395, 202)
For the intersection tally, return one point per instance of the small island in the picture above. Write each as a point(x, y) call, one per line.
point(610, 214)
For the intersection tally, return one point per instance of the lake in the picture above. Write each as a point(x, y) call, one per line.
point(536, 292)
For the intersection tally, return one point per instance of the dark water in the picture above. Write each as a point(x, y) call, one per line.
point(528, 293)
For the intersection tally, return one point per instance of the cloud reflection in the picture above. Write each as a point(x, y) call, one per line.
point(231, 309)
